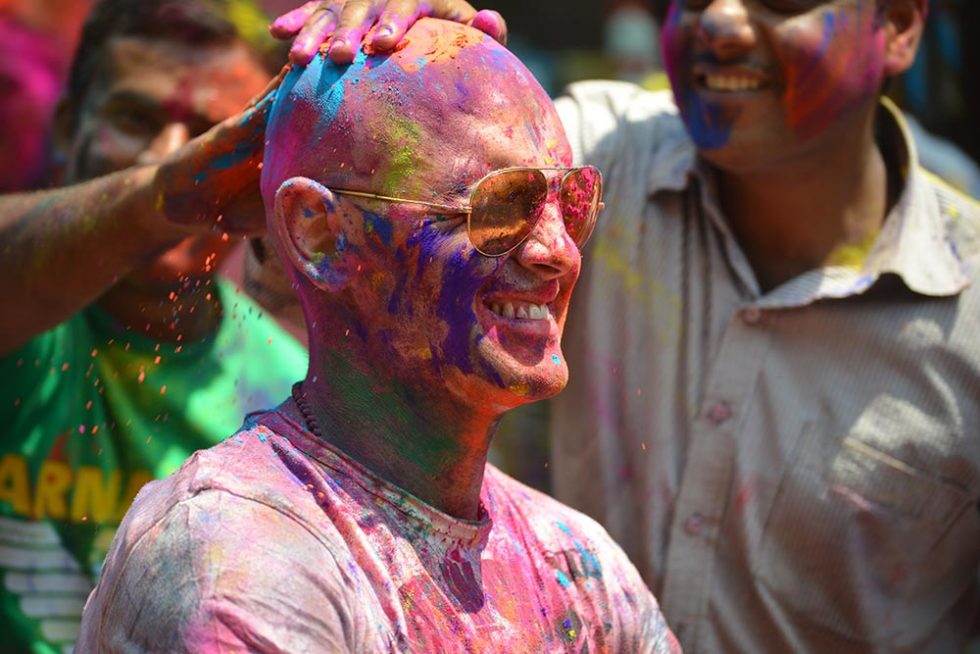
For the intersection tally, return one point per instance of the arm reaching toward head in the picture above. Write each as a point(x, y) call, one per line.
point(343, 25)
point(63, 248)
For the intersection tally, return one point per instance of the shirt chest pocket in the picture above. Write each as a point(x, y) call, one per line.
point(868, 536)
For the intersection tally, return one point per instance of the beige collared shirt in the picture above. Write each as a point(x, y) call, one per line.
point(791, 471)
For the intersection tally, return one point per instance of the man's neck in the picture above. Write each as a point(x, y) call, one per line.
point(185, 313)
point(428, 444)
point(824, 208)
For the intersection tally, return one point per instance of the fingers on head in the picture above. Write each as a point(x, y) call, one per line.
point(320, 24)
point(355, 20)
point(315, 22)
point(394, 21)
point(293, 21)
point(456, 10)
point(490, 23)
point(400, 15)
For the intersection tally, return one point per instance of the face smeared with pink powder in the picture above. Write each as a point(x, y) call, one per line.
point(757, 81)
point(427, 123)
point(151, 96)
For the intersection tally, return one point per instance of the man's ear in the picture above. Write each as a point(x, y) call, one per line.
point(307, 226)
point(904, 21)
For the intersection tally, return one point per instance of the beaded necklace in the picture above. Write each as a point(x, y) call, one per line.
point(300, 398)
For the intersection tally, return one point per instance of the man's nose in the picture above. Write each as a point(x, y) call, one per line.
point(725, 28)
point(549, 251)
point(170, 138)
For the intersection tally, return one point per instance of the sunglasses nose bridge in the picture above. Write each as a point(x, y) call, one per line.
point(548, 251)
point(549, 229)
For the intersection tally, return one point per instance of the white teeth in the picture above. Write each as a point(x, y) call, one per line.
point(731, 83)
point(524, 311)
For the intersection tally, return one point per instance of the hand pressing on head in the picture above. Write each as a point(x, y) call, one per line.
point(344, 26)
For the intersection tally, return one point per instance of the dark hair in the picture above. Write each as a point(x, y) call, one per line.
point(195, 22)
point(659, 9)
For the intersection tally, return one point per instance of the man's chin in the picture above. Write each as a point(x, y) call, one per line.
point(537, 389)
point(502, 382)
point(531, 382)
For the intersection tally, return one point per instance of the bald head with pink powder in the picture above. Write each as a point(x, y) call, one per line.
point(425, 123)
point(386, 121)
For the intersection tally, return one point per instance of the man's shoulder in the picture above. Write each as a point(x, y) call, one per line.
point(622, 104)
point(607, 121)
point(557, 526)
point(623, 97)
point(246, 465)
point(216, 540)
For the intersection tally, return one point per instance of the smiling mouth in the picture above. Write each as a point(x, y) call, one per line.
point(729, 83)
point(520, 310)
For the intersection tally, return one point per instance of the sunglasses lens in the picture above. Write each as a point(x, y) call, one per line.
point(505, 207)
point(581, 191)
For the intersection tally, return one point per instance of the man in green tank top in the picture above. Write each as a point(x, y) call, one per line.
point(121, 351)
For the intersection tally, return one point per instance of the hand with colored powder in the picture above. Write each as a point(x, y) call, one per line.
point(212, 182)
point(341, 27)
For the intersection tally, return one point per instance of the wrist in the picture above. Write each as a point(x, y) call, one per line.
point(150, 208)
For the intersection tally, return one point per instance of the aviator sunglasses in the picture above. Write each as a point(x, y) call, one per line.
point(506, 204)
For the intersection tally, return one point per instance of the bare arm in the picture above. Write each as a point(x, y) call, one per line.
point(61, 249)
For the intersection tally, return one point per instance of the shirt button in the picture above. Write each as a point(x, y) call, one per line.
point(694, 525)
point(719, 413)
point(751, 315)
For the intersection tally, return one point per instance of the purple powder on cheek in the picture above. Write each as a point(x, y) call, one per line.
point(462, 277)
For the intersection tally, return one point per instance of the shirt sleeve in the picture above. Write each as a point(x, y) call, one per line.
point(608, 587)
point(221, 573)
point(644, 629)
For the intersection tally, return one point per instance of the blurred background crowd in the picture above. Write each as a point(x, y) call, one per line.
point(38, 37)
point(558, 41)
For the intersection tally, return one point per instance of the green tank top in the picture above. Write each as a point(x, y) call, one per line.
point(89, 412)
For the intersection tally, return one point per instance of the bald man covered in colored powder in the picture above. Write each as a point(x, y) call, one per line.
point(361, 515)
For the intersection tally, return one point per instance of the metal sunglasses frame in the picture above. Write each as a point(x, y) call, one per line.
point(468, 209)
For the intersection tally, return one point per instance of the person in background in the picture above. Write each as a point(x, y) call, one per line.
point(631, 40)
point(775, 373)
point(36, 42)
point(424, 208)
point(121, 351)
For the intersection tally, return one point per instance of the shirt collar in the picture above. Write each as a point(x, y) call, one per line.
point(913, 243)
